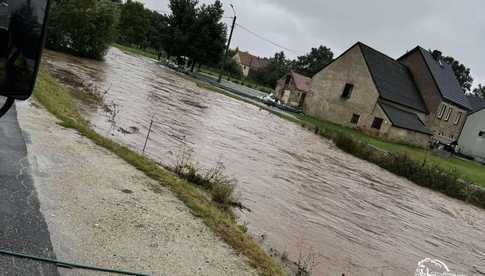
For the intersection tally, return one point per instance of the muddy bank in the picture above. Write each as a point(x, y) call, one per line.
point(102, 211)
point(308, 198)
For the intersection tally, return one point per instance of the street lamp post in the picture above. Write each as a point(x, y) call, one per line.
point(221, 71)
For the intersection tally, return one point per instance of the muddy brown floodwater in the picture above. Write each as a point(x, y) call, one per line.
point(307, 197)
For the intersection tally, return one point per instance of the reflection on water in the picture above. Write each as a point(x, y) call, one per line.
point(304, 193)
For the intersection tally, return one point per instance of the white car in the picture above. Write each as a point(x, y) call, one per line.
point(270, 100)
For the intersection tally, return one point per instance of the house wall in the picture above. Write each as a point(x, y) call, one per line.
point(295, 94)
point(409, 137)
point(433, 100)
point(325, 101)
point(470, 143)
point(244, 68)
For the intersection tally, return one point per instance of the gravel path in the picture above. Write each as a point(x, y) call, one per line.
point(102, 211)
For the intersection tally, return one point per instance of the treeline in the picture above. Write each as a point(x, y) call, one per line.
point(87, 28)
point(279, 65)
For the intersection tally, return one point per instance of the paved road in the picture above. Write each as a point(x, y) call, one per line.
point(22, 226)
point(230, 86)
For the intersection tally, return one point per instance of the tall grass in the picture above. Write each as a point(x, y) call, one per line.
point(423, 173)
point(220, 187)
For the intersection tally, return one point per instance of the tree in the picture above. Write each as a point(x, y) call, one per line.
point(232, 68)
point(85, 28)
point(134, 24)
point(181, 24)
point(209, 40)
point(158, 26)
point(313, 62)
point(462, 73)
point(479, 91)
point(195, 32)
point(279, 65)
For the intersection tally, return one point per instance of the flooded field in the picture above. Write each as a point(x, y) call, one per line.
point(307, 197)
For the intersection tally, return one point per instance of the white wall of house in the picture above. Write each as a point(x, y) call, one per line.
point(472, 138)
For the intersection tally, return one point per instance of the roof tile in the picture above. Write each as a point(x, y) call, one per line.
point(393, 79)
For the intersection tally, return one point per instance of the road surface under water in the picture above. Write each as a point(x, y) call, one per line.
point(307, 197)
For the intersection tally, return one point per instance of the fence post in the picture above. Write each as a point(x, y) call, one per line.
point(148, 135)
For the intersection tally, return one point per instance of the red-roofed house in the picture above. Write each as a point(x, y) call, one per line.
point(292, 89)
point(249, 62)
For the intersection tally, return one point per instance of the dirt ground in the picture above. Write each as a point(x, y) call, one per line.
point(101, 211)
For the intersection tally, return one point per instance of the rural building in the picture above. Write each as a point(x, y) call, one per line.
point(249, 62)
point(372, 92)
point(409, 100)
point(445, 100)
point(472, 138)
point(292, 89)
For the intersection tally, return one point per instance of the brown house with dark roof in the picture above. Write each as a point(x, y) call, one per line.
point(446, 103)
point(409, 100)
point(292, 89)
point(249, 62)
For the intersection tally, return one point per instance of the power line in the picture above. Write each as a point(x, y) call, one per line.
point(268, 40)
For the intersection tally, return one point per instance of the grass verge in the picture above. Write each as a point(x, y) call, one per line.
point(149, 53)
point(446, 181)
point(58, 101)
point(473, 171)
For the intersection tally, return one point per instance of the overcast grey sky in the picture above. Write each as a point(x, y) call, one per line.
point(455, 27)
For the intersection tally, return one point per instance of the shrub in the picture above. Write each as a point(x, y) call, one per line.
point(448, 182)
point(84, 28)
point(220, 187)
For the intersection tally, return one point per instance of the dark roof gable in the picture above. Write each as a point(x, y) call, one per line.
point(392, 79)
point(404, 119)
point(444, 78)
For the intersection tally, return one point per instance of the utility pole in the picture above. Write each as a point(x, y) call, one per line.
point(221, 70)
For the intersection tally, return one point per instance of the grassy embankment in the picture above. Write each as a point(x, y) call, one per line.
point(59, 101)
point(470, 170)
point(248, 83)
point(149, 53)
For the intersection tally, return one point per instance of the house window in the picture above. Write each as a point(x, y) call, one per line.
point(377, 123)
point(355, 119)
point(458, 117)
point(481, 134)
point(448, 114)
point(441, 111)
point(347, 91)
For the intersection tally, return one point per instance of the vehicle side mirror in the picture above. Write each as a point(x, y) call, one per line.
point(22, 33)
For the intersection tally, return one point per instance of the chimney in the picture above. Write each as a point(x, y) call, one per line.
point(437, 55)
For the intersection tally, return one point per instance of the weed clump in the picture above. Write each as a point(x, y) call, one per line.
point(220, 187)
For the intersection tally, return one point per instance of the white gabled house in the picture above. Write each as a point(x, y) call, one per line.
point(472, 137)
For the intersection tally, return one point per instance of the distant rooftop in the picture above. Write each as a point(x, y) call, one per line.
point(252, 61)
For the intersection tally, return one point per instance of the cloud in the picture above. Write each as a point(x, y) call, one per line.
point(457, 28)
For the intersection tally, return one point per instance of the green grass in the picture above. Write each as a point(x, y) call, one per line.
point(248, 83)
point(470, 170)
point(59, 101)
point(150, 53)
